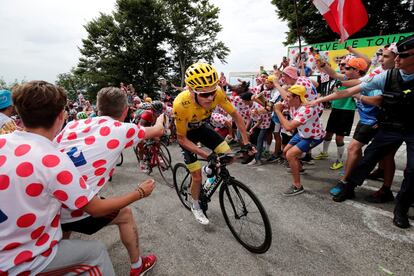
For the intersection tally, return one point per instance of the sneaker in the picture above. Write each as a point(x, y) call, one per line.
point(248, 159)
point(302, 171)
point(273, 158)
point(148, 262)
point(255, 162)
point(199, 216)
point(337, 165)
point(293, 190)
point(378, 175)
point(308, 162)
point(338, 188)
point(321, 155)
point(266, 154)
point(380, 196)
point(346, 193)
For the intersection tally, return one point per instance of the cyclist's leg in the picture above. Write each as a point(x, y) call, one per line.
point(194, 166)
point(81, 256)
point(212, 140)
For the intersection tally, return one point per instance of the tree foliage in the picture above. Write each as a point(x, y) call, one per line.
point(385, 17)
point(193, 33)
point(144, 39)
point(125, 46)
point(72, 83)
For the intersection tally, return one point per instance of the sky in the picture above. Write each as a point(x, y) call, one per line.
point(40, 39)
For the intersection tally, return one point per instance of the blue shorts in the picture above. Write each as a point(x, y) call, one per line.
point(304, 144)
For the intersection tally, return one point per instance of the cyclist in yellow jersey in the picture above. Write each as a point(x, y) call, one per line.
point(192, 110)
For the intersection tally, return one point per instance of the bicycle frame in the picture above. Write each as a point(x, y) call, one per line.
point(152, 149)
point(222, 178)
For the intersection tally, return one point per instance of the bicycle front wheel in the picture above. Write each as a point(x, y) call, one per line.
point(164, 164)
point(245, 216)
point(182, 183)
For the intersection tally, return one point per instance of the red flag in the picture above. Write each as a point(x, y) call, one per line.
point(344, 17)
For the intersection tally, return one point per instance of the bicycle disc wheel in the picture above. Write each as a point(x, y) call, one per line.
point(245, 216)
point(164, 164)
point(182, 182)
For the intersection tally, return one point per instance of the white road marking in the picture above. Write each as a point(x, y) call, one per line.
point(370, 215)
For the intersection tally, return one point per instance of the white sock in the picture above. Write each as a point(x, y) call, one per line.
point(196, 205)
point(326, 146)
point(137, 264)
point(340, 151)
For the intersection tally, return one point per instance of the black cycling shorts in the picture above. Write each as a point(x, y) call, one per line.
point(90, 225)
point(207, 136)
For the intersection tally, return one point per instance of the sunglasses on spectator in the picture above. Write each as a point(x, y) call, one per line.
point(404, 55)
point(349, 68)
point(342, 64)
point(206, 95)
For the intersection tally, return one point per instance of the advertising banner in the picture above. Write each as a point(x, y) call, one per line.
point(334, 51)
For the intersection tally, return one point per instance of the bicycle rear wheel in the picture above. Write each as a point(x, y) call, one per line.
point(245, 216)
point(164, 164)
point(182, 182)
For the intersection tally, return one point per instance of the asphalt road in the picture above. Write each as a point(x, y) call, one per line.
point(312, 235)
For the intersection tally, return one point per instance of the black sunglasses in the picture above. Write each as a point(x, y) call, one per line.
point(349, 68)
point(404, 55)
point(206, 95)
point(342, 64)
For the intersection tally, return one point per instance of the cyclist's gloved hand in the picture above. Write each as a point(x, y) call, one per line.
point(212, 158)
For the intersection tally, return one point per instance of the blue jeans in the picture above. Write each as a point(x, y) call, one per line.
point(259, 137)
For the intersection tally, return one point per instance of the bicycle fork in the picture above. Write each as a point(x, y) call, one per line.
point(236, 215)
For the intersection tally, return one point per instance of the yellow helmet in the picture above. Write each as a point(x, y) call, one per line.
point(201, 75)
point(148, 100)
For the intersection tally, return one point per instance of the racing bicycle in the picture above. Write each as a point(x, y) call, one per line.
point(243, 212)
point(156, 154)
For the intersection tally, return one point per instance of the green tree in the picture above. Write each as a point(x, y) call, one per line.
point(193, 26)
point(72, 83)
point(126, 46)
point(385, 17)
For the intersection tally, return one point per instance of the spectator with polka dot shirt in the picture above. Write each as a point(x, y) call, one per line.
point(94, 146)
point(310, 132)
point(36, 180)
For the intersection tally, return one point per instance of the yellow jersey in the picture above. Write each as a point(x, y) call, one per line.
point(189, 115)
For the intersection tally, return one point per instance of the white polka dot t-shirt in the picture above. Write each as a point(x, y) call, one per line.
point(311, 126)
point(35, 180)
point(94, 146)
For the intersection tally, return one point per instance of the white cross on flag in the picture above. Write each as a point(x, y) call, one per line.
point(344, 17)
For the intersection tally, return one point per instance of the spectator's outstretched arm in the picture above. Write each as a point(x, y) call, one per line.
point(157, 130)
point(350, 83)
point(359, 55)
point(337, 94)
point(98, 207)
point(325, 67)
point(371, 100)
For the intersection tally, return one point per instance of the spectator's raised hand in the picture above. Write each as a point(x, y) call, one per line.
point(279, 106)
